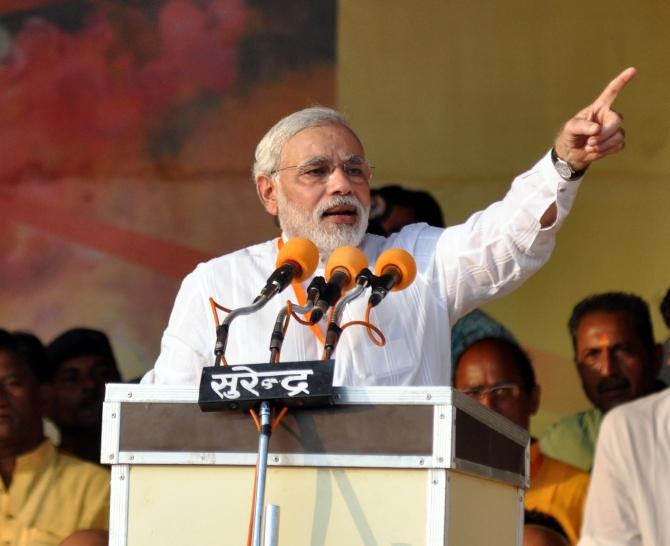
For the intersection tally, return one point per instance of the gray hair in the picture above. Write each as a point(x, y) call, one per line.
point(270, 147)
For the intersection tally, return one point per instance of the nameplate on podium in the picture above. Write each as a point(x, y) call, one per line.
point(243, 386)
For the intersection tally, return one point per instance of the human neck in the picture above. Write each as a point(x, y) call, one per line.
point(82, 442)
point(9, 454)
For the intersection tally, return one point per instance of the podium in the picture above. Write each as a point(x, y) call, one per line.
point(394, 466)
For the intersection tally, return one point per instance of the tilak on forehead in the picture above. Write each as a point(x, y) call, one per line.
point(604, 341)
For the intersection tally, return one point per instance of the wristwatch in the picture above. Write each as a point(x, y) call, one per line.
point(564, 169)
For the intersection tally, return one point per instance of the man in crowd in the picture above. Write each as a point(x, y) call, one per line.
point(617, 360)
point(311, 172)
point(498, 373)
point(45, 496)
point(81, 362)
point(628, 499)
point(394, 207)
point(542, 530)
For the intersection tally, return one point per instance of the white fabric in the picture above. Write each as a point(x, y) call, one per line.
point(629, 494)
point(459, 268)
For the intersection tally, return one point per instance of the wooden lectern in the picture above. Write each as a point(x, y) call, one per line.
point(392, 466)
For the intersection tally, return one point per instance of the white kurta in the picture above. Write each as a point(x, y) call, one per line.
point(629, 494)
point(459, 268)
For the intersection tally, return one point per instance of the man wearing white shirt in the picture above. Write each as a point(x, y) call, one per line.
point(628, 498)
point(311, 172)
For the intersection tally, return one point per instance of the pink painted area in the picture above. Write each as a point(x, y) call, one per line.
point(91, 102)
point(155, 254)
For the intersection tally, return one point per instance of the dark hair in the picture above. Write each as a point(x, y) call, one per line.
point(28, 349)
point(520, 357)
point(78, 342)
point(423, 204)
point(665, 308)
point(541, 519)
point(615, 302)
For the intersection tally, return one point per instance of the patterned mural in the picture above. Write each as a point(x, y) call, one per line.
point(127, 130)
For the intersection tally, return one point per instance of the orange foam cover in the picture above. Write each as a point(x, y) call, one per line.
point(301, 252)
point(402, 261)
point(349, 258)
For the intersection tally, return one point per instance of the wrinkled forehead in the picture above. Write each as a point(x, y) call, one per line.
point(486, 364)
point(329, 142)
point(599, 328)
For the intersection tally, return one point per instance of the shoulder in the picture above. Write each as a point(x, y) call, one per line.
point(640, 415)
point(85, 472)
point(572, 424)
point(566, 473)
point(259, 257)
point(260, 251)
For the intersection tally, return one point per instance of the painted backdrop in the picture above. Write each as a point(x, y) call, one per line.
point(127, 131)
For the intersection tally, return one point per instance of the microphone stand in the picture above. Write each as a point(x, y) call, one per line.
point(263, 450)
point(224, 328)
point(271, 525)
point(363, 280)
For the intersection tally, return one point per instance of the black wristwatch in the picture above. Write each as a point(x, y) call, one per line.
point(564, 169)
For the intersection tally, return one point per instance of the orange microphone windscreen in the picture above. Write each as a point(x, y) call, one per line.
point(302, 253)
point(402, 261)
point(347, 258)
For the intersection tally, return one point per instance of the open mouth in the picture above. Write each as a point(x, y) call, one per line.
point(343, 214)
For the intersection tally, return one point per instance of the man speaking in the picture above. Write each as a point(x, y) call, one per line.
point(311, 172)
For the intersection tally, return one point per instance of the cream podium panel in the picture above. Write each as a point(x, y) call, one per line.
point(395, 466)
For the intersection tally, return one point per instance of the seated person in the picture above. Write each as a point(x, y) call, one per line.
point(617, 361)
point(540, 529)
point(81, 362)
point(498, 373)
point(45, 496)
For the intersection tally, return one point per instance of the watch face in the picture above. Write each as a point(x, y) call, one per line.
point(563, 169)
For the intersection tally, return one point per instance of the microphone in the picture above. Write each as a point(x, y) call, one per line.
point(395, 270)
point(297, 259)
point(342, 267)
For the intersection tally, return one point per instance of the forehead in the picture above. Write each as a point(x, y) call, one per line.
point(600, 326)
point(329, 141)
point(10, 364)
point(487, 363)
point(86, 362)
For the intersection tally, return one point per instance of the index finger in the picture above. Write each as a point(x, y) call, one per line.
point(611, 92)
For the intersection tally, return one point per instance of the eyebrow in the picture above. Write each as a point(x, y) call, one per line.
point(353, 158)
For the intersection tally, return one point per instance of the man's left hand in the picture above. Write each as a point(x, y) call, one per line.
point(596, 131)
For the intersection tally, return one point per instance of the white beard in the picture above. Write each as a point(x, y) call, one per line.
point(298, 222)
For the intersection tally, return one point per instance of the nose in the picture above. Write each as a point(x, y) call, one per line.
point(89, 382)
point(339, 183)
point(608, 363)
point(486, 400)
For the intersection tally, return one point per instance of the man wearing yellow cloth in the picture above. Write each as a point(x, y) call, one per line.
point(45, 496)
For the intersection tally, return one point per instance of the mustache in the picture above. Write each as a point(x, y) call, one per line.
point(612, 382)
point(340, 201)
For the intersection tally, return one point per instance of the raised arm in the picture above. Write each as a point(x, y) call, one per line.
point(592, 133)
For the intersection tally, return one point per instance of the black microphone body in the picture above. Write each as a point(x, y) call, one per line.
point(280, 279)
point(333, 290)
point(383, 284)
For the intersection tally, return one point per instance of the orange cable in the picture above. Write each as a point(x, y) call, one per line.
point(212, 304)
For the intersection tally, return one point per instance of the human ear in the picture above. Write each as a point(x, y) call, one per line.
point(267, 193)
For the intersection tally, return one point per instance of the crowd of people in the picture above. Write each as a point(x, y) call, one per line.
point(598, 477)
point(54, 490)
point(60, 492)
